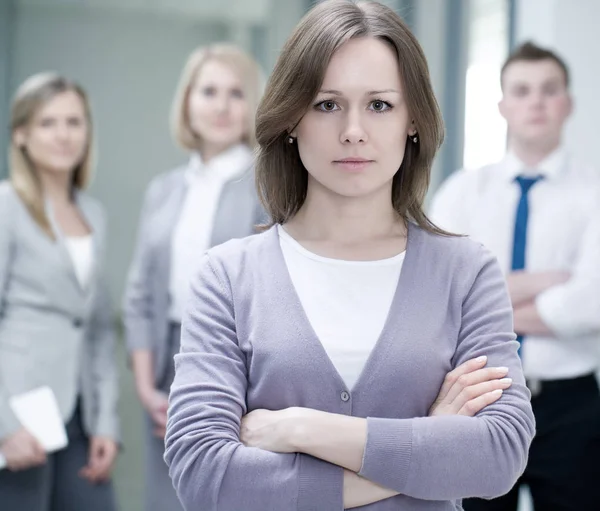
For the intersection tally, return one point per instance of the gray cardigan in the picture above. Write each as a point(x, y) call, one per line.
point(146, 303)
point(53, 332)
point(247, 344)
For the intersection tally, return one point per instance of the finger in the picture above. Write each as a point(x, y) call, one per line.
point(475, 391)
point(471, 408)
point(464, 368)
point(474, 378)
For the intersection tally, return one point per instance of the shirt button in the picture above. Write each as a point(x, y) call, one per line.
point(345, 396)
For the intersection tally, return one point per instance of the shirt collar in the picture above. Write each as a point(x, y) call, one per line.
point(227, 165)
point(549, 168)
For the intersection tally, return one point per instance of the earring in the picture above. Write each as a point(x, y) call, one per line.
point(290, 140)
point(415, 139)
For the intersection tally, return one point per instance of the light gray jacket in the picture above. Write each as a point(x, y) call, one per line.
point(147, 300)
point(52, 331)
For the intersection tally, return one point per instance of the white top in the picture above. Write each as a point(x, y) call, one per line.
point(192, 234)
point(563, 234)
point(346, 302)
point(81, 250)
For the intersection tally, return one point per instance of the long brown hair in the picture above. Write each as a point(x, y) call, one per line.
point(281, 177)
point(33, 94)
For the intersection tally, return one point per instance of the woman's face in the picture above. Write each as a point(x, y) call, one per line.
point(56, 138)
point(352, 139)
point(217, 107)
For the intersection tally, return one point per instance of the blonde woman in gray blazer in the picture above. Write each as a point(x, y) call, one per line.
point(186, 211)
point(56, 326)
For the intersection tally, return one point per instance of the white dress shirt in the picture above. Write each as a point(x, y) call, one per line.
point(192, 234)
point(346, 302)
point(563, 234)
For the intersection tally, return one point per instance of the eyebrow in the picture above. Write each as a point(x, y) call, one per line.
point(370, 93)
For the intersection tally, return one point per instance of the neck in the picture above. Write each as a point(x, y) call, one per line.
point(328, 217)
point(56, 186)
point(209, 152)
point(533, 153)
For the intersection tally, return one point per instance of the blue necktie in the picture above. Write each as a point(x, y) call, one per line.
point(520, 235)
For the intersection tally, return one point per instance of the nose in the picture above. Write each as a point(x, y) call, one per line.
point(63, 131)
point(353, 131)
point(222, 103)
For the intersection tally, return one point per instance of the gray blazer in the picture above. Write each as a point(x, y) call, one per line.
point(52, 331)
point(147, 300)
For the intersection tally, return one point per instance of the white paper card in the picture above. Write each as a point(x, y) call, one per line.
point(38, 412)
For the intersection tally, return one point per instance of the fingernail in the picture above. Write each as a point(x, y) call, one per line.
point(508, 381)
point(497, 392)
point(481, 359)
point(502, 369)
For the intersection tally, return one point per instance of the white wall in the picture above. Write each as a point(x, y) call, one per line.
point(571, 28)
point(129, 63)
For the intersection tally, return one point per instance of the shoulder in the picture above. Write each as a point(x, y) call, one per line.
point(164, 182)
point(584, 172)
point(241, 255)
point(455, 257)
point(468, 180)
point(7, 194)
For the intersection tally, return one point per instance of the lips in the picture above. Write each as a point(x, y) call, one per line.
point(353, 164)
point(353, 160)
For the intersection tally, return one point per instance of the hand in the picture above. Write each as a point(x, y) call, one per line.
point(102, 456)
point(469, 388)
point(269, 430)
point(156, 404)
point(22, 451)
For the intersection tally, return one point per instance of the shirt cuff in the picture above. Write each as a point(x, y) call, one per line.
point(388, 450)
point(550, 307)
point(321, 485)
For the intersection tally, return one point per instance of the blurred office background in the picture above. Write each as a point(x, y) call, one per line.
point(128, 54)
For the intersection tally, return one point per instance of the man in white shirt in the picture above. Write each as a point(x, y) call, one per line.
point(538, 210)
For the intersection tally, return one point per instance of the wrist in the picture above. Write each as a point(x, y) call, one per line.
point(145, 394)
point(300, 428)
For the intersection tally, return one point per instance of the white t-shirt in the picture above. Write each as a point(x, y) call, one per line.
point(346, 302)
point(81, 250)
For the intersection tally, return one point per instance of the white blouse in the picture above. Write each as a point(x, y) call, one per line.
point(193, 232)
point(81, 250)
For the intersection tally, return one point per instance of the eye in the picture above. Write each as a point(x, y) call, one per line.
point(209, 91)
point(380, 106)
point(47, 122)
point(237, 94)
point(75, 121)
point(327, 106)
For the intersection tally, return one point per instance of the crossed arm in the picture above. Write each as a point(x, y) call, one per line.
point(341, 439)
point(524, 287)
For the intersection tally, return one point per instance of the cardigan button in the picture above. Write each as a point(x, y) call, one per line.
point(345, 396)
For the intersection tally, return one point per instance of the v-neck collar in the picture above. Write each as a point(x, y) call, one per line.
point(393, 320)
point(62, 246)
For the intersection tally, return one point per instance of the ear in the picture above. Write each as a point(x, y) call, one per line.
point(412, 130)
point(502, 108)
point(20, 138)
point(570, 105)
